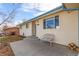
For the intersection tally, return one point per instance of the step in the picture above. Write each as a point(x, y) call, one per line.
point(31, 37)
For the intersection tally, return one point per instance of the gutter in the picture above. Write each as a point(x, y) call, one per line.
point(78, 30)
point(78, 27)
point(49, 12)
point(67, 9)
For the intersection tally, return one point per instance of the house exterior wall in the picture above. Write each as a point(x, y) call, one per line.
point(9, 31)
point(68, 27)
point(26, 31)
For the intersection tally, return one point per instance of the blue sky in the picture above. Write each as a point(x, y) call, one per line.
point(25, 11)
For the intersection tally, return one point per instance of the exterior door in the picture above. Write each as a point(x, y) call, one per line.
point(33, 28)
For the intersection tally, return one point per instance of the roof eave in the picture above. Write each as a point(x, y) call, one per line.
point(66, 8)
point(45, 14)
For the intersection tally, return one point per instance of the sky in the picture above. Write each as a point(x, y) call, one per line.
point(24, 11)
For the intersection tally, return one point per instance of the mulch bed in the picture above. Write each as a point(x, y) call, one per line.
point(5, 50)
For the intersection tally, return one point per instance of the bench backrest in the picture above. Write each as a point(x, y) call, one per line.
point(48, 37)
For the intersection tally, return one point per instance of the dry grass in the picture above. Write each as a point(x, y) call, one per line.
point(11, 38)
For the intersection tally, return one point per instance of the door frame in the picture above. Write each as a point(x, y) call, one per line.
point(33, 28)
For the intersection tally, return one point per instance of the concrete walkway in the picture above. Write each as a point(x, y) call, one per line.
point(39, 48)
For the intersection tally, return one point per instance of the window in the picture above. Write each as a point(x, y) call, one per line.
point(27, 25)
point(51, 22)
point(57, 20)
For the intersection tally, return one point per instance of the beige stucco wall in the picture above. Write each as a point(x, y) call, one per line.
point(26, 31)
point(68, 31)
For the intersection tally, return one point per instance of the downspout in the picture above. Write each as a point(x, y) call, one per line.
point(78, 27)
point(78, 30)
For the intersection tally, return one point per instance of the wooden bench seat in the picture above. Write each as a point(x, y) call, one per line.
point(48, 37)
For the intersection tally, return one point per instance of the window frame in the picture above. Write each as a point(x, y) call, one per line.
point(55, 25)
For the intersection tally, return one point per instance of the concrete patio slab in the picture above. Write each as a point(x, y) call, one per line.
point(30, 47)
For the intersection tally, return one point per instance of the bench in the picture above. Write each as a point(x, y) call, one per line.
point(49, 38)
